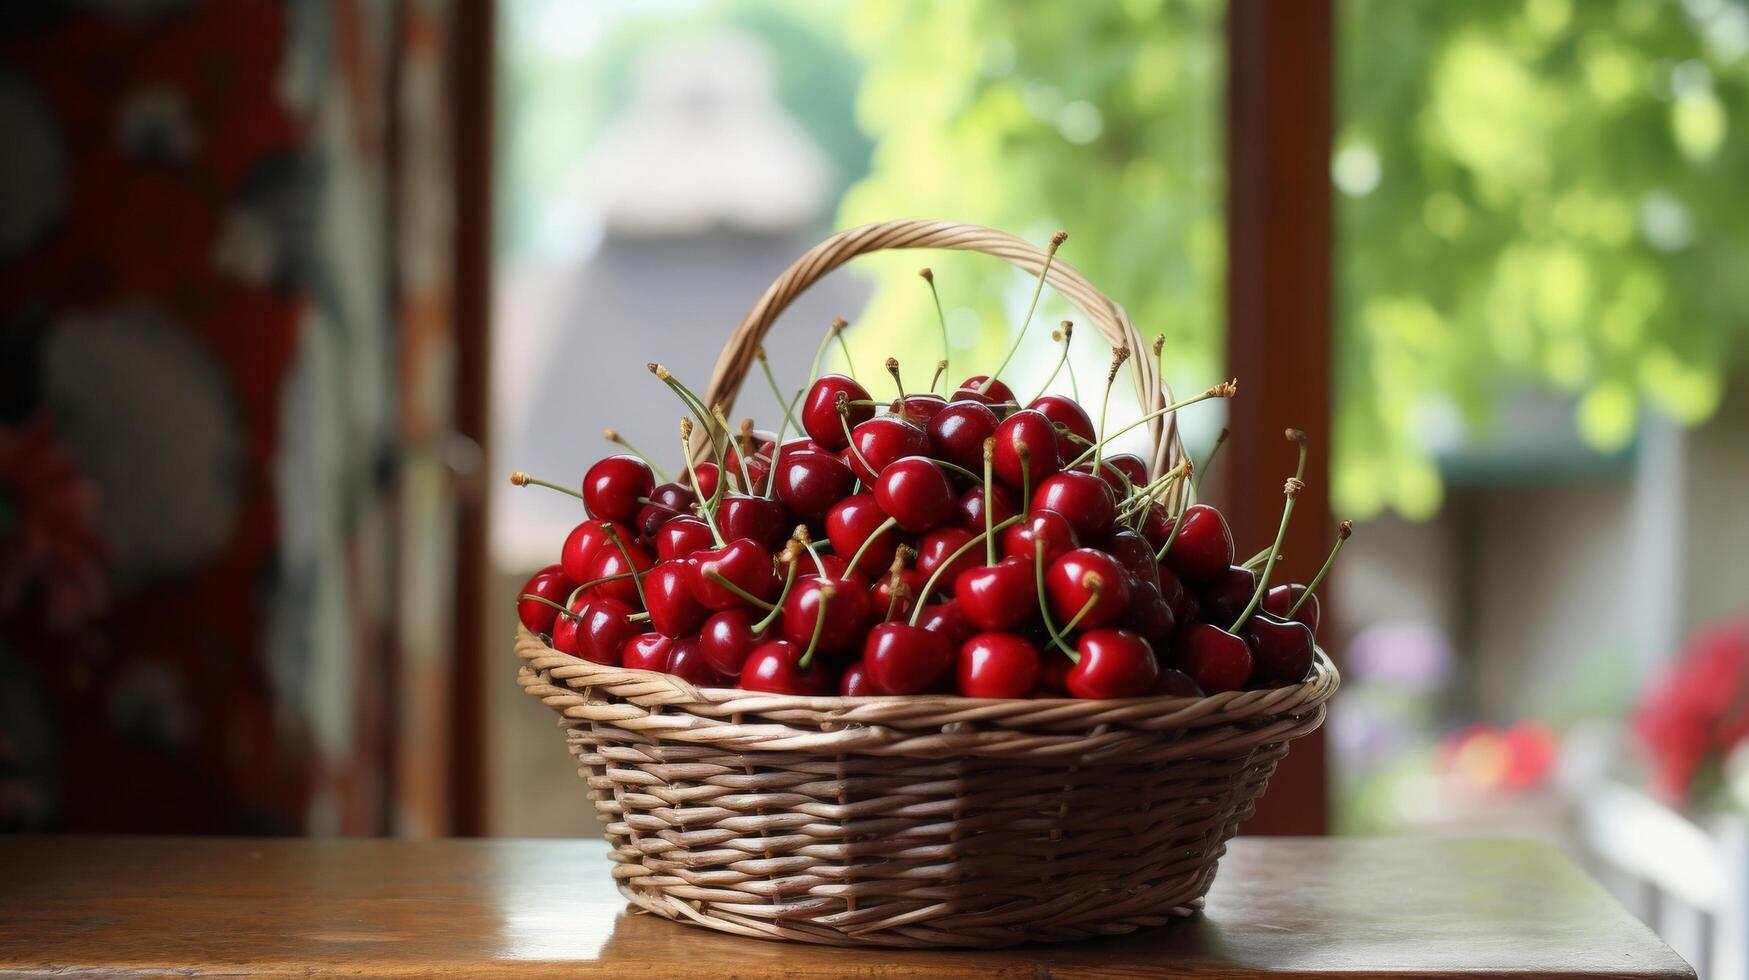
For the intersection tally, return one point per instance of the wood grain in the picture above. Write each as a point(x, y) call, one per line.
point(1281, 907)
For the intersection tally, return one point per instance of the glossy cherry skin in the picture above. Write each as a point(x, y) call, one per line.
point(1069, 414)
point(919, 409)
point(850, 522)
point(668, 596)
point(1070, 584)
point(610, 560)
point(820, 410)
point(1047, 526)
point(1227, 596)
point(708, 478)
point(1173, 591)
point(1150, 616)
point(760, 519)
point(585, 542)
point(602, 630)
point(1156, 525)
point(1281, 649)
point(958, 431)
point(835, 568)
point(550, 583)
point(1113, 664)
point(1032, 430)
point(935, 548)
point(915, 492)
point(947, 619)
point(667, 502)
point(902, 659)
point(1083, 499)
point(880, 595)
point(973, 388)
point(969, 513)
point(726, 639)
point(998, 597)
point(775, 667)
point(681, 537)
point(1214, 658)
point(883, 440)
point(612, 486)
point(1204, 547)
point(1279, 599)
point(809, 482)
point(855, 682)
point(1133, 553)
point(997, 665)
point(1122, 471)
point(743, 562)
point(1175, 683)
point(847, 614)
point(647, 651)
point(687, 663)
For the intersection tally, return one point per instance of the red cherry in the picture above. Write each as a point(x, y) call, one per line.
point(947, 619)
point(1151, 616)
point(759, 519)
point(1118, 468)
point(708, 477)
point(567, 629)
point(668, 596)
point(612, 486)
point(880, 595)
point(550, 583)
point(647, 651)
point(766, 444)
point(1053, 677)
point(855, 682)
point(1069, 414)
point(919, 409)
point(935, 548)
point(836, 568)
point(667, 502)
point(681, 537)
point(742, 562)
point(602, 630)
point(687, 663)
point(610, 560)
point(1279, 599)
point(809, 482)
point(902, 659)
point(1204, 546)
point(820, 409)
point(1132, 552)
point(1085, 575)
point(973, 388)
point(1000, 596)
point(1214, 658)
point(1172, 590)
point(958, 431)
point(1176, 683)
point(997, 665)
point(1281, 649)
point(754, 482)
point(586, 541)
point(1224, 598)
point(847, 614)
point(1048, 526)
point(850, 522)
point(1032, 430)
point(1113, 664)
point(969, 514)
point(775, 667)
point(883, 440)
point(725, 640)
point(1156, 525)
point(915, 492)
point(1083, 499)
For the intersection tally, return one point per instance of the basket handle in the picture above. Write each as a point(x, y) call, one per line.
point(1106, 316)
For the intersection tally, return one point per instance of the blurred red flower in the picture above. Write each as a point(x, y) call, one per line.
point(50, 550)
point(1698, 708)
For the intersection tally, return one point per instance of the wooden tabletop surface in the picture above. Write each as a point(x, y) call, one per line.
point(1280, 907)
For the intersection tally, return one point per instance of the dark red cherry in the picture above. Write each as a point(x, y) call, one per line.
point(743, 562)
point(612, 486)
point(947, 619)
point(610, 561)
point(1048, 526)
point(1172, 590)
point(1113, 664)
point(603, 629)
point(919, 409)
point(1083, 499)
point(668, 595)
point(1156, 525)
point(902, 659)
point(935, 548)
point(667, 502)
point(1281, 598)
point(1151, 616)
point(997, 665)
point(760, 519)
point(1281, 649)
point(775, 667)
point(647, 651)
point(550, 583)
point(1032, 430)
point(883, 440)
point(1123, 471)
point(681, 537)
point(1069, 414)
point(1053, 675)
point(998, 597)
point(708, 478)
point(855, 682)
point(1214, 658)
point(585, 542)
point(725, 640)
point(958, 431)
point(687, 663)
point(1082, 576)
point(850, 522)
point(973, 388)
point(1204, 547)
point(820, 409)
point(809, 482)
point(915, 492)
point(847, 614)
point(1224, 598)
point(969, 514)
point(1133, 553)
point(1175, 683)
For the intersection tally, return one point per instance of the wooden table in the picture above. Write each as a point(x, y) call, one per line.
point(1281, 907)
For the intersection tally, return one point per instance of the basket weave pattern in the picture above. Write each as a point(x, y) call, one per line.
point(917, 821)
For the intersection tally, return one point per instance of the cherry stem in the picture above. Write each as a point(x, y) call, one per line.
point(849, 437)
point(883, 528)
point(706, 506)
point(739, 592)
point(826, 592)
point(946, 563)
point(592, 583)
point(1061, 335)
point(521, 479)
point(1255, 560)
point(941, 321)
point(1044, 609)
point(1291, 490)
point(639, 617)
point(543, 600)
point(1225, 389)
point(955, 468)
point(989, 535)
point(820, 351)
point(694, 403)
point(802, 536)
point(745, 444)
point(776, 392)
point(1208, 461)
point(844, 347)
point(940, 368)
point(613, 436)
point(1044, 271)
point(1343, 530)
point(777, 451)
point(1118, 356)
point(1025, 454)
point(1177, 525)
point(1140, 497)
point(631, 566)
point(895, 584)
point(789, 579)
point(893, 369)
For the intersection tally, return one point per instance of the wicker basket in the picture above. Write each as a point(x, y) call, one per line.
point(917, 821)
